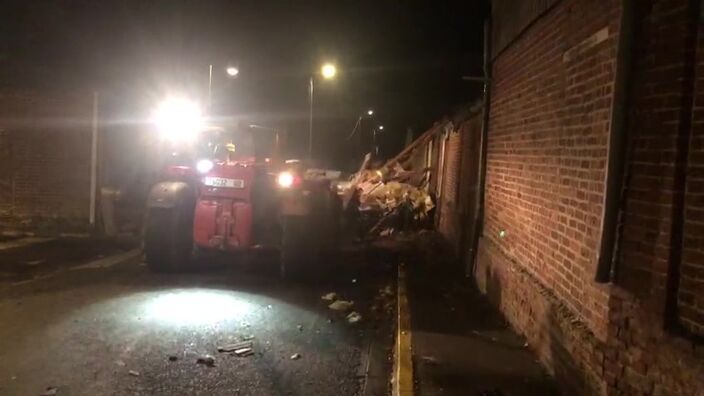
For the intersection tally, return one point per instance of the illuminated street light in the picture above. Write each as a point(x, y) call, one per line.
point(374, 142)
point(232, 71)
point(370, 112)
point(328, 71)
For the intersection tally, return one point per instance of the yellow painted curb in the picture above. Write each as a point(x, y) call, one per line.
point(403, 356)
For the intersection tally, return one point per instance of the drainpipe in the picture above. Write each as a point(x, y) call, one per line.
point(616, 152)
point(478, 222)
point(93, 165)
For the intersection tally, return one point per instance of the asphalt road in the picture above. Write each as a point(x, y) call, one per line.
point(121, 330)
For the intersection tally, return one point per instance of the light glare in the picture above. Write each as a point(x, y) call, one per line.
point(285, 179)
point(328, 71)
point(178, 119)
point(197, 307)
point(232, 71)
point(204, 165)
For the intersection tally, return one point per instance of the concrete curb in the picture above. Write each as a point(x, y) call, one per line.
point(22, 242)
point(109, 261)
point(104, 262)
point(402, 382)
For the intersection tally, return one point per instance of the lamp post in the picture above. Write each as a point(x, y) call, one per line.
point(376, 146)
point(328, 71)
point(231, 71)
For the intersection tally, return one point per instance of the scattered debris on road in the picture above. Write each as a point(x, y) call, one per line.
point(49, 391)
point(354, 317)
point(34, 262)
point(300, 327)
point(248, 337)
point(244, 352)
point(120, 363)
point(133, 373)
point(332, 296)
point(206, 360)
point(236, 346)
point(295, 356)
point(341, 305)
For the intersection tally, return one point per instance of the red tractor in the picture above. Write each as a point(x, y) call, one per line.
point(227, 190)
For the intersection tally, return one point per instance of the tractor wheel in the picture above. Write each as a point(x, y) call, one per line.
point(168, 239)
point(299, 249)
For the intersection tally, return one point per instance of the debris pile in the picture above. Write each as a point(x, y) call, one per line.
point(396, 195)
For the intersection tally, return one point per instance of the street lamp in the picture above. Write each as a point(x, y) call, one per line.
point(376, 146)
point(370, 112)
point(231, 71)
point(328, 71)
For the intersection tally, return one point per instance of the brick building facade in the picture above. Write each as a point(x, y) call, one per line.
point(45, 146)
point(555, 72)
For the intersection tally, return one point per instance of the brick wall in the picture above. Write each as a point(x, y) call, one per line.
point(551, 103)
point(691, 287)
point(549, 122)
point(448, 221)
point(656, 242)
point(44, 158)
point(458, 198)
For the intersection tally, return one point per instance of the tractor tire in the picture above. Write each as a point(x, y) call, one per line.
point(300, 250)
point(168, 236)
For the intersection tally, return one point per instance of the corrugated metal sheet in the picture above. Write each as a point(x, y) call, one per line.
point(510, 17)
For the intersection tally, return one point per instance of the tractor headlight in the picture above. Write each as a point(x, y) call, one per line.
point(178, 119)
point(285, 179)
point(204, 165)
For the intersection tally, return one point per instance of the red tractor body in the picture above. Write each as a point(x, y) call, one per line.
point(234, 201)
point(224, 213)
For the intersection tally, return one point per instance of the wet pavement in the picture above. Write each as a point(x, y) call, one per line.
point(461, 343)
point(121, 330)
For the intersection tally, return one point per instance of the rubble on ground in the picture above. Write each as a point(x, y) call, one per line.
point(354, 317)
point(332, 296)
point(206, 360)
point(395, 195)
point(49, 391)
point(235, 347)
point(341, 305)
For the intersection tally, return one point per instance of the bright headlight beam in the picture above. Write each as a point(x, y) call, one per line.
point(178, 119)
point(204, 165)
point(285, 179)
point(196, 307)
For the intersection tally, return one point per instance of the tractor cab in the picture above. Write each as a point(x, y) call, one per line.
point(227, 190)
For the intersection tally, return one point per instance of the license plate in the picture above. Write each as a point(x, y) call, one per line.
point(223, 182)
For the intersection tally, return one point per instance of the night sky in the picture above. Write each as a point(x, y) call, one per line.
point(404, 59)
